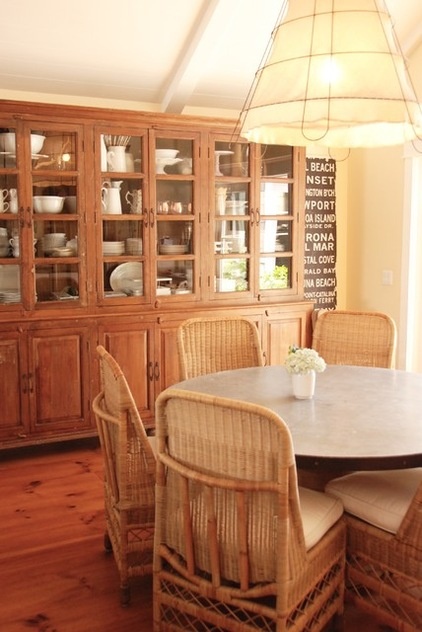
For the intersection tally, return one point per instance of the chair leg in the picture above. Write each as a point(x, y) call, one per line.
point(337, 623)
point(107, 543)
point(124, 595)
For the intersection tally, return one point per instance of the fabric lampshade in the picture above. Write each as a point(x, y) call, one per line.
point(334, 75)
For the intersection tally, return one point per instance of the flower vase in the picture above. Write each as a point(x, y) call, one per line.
point(303, 385)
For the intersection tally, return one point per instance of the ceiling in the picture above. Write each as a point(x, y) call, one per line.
point(171, 55)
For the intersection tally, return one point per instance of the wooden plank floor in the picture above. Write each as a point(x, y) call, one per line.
point(54, 573)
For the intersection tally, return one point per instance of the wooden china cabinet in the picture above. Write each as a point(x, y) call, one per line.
point(115, 226)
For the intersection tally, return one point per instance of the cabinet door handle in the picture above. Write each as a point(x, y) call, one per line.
point(146, 218)
point(30, 382)
point(258, 216)
point(156, 371)
point(150, 371)
point(28, 214)
point(152, 215)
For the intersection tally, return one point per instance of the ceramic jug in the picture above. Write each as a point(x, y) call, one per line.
point(116, 158)
point(112, 204)
point(4, 206)
point(134, 199)
point(14, 242)
point(13, 204)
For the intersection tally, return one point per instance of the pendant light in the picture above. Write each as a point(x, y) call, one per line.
point(335, 76)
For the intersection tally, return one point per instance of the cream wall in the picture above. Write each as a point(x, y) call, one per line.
point(372, 232)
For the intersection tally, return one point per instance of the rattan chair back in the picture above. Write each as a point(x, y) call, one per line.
point(355, 338)
point(129, 474)
point(229, 542)
point(208, 345)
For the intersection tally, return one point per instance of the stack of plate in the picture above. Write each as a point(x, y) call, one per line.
point(10, 296)
point(173, 249)
point(51, 241)
point(133, 246)
point(112, 248)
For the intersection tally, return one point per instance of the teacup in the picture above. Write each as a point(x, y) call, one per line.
point(4, 206)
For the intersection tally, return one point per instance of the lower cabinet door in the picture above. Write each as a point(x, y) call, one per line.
point(58, 381)
point(13, 387)
point(284, 328)
point(132, 346)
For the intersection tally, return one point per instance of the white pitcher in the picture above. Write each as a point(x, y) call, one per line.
point(111, 202)
point(116, 158)
point(14, 242)
point(13, 204)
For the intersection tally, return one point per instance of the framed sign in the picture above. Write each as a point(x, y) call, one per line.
point(320, 281)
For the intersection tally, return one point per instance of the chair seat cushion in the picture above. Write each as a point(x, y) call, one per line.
point(380, 498)
point(152, 440)
point(319, 513)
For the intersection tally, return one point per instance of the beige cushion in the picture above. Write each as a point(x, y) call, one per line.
point(379, 498)
point(319, 512)
point(152, 440)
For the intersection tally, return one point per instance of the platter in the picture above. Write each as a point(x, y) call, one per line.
point(9, 279)
point(124, 275)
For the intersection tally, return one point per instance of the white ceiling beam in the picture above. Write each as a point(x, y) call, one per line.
point(189, 66)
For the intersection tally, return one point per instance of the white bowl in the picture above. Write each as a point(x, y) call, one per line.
point(166, 153)
point(54, 236)
point(48, 203)
point(8, 142)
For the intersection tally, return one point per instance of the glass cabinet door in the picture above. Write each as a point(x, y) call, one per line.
point(40, 171)
point(254, 220)
point(231, 217)
point(57, 239)
point(175, 211)
point(10, 220)
point(122, 204)
point(276, 218)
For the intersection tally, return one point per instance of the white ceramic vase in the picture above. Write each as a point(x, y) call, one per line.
point(303, 385)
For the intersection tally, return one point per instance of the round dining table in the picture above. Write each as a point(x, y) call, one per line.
point(359, 418)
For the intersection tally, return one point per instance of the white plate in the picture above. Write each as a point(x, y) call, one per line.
point(124, 273)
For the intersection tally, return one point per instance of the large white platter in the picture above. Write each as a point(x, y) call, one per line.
point(124, 273)
point(9, 278)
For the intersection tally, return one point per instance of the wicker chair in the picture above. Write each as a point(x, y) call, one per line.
point(355, 338)
point(237, 547)
point(208, 345)
point(129, 475)
point(384, 544)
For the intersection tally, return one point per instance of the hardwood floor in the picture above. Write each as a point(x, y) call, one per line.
point(54, 573)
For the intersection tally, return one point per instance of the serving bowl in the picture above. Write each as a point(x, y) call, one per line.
point(8, 142)
point(166, 153)
point(48, 203)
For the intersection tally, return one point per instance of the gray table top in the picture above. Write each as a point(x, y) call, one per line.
point(359, 418)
